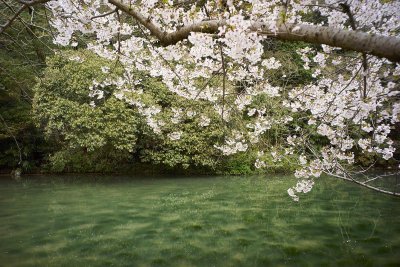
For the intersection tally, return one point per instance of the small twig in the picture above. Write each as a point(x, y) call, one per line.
point(205, 85)
point(106, 14)
point(223, 81)
point(119, 32)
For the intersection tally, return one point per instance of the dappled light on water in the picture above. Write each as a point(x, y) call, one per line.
point(197, 221)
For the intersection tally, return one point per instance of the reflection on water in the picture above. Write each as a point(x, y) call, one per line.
point(109, 221)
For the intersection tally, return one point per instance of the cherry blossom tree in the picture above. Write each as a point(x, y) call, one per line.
point(351, 102)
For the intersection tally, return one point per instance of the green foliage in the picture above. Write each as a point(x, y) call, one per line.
point(93, 136)
point(63, 107)
point(195, 148)
point(239, 164)
point(103, 160)
point(292, 65)
point(288, 164)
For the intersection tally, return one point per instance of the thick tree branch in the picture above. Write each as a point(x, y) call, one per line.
point(377, 45)
point(166, 39)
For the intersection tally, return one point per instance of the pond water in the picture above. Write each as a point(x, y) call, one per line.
point(196, 221)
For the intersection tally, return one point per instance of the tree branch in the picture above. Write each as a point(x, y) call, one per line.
point(11, 20)
point(105, 14)
point(223, 81)
point(25, 4)
point(377, 45)
point(364, 184)
point(346, 9)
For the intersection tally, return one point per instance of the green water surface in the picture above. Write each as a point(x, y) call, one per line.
point(196, 221)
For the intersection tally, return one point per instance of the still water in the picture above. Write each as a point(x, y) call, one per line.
point(196, 221)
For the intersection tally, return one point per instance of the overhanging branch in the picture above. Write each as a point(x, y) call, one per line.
point(377, 45)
